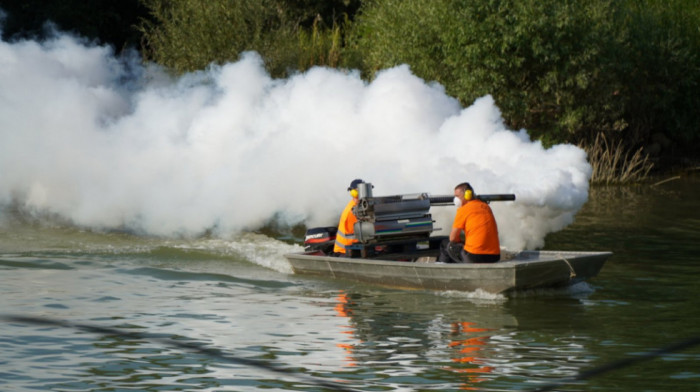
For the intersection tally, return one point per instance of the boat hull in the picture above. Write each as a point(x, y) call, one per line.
point(526, 270)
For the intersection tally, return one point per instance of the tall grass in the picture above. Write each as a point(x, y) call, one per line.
point(188, 35)
point(320, 46)
point(612, 163)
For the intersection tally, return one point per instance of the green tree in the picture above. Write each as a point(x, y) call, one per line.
point(544, 61)
point(566, 70)
point(661, 76)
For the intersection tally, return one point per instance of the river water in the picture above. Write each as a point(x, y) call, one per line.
point(239, 297)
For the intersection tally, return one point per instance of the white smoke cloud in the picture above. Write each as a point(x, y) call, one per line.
point(108, 143)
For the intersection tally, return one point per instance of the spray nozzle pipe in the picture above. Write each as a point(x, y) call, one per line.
point(444, 200)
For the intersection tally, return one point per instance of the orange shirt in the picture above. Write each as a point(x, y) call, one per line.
point(346, 228)
point(480, 230)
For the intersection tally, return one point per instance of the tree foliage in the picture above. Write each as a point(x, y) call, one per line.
point(565, 70)
point(543, 61)
point(661, 74)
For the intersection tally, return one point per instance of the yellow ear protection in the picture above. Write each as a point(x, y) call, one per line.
point(353, 188)
point(468, 194)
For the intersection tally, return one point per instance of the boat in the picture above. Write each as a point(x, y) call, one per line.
point(520, 271)
point(396, 247)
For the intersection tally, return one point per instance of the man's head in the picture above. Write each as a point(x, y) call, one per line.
point(354, 184)
point(464, 192)
point(353, 187)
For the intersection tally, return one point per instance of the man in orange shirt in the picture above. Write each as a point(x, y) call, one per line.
point(346, 226)
point(475, 219)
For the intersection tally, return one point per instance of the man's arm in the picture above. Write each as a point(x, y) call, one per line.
point(456, 235)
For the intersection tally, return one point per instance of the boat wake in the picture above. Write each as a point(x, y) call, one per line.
point(580, 289)
point(23, 237)
point(478, 296)
point(264, 251)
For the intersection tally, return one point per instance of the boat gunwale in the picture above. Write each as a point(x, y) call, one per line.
point(537, 259)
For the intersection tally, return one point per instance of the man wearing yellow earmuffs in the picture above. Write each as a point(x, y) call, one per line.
point(475, 219)
point(346, 227)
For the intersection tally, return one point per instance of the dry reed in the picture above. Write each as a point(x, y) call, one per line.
point(613, 164)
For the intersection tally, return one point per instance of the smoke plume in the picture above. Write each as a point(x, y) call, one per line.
point(108, 143)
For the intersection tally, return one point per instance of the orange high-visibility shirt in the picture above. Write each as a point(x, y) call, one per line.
point(346, 228)
point(480, 229)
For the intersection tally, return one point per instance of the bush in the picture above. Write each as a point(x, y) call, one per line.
point(566, 71)
point(544, 61)
point(661, 76)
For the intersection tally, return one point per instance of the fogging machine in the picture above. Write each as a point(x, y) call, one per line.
point(389, 223)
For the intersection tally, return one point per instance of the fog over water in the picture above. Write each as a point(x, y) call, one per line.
point(105, 142)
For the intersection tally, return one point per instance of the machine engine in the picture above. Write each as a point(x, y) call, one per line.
point(391, 217)
point(320, 239)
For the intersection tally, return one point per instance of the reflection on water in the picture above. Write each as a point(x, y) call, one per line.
point(403, 339)
point(344, 311)
point(369, 338)
point(468, 343)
